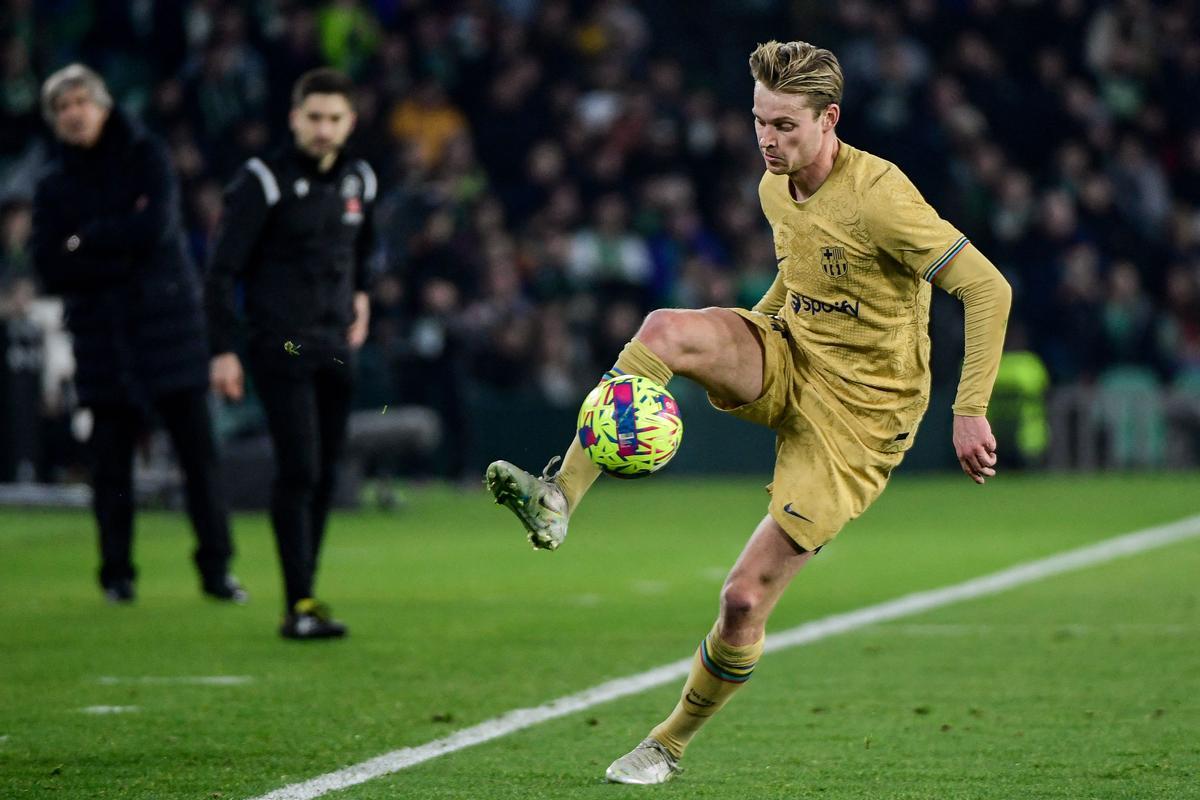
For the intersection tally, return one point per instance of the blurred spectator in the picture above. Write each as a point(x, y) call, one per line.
point(607, 257)
point(225, 85)
point(502, 322)
point(1017, 409)
point(16, 224)
point(107, 238)
point(1128, 320)
point(294, 51)
point(349, 34)
point(1140, 186)
point(22, 349)
point(1187, 179)
point(683, 236)
point(1179, 328)
point(18, 97)
point(1103, 223)
point(428, 120)
point(1075, 338)
point(605, 148)
point(512, 116)
point(206, 205)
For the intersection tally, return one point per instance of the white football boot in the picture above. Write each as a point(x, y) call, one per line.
point(538, 502)
point(649, 762)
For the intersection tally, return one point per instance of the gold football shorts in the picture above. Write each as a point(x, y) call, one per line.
point(825, 475)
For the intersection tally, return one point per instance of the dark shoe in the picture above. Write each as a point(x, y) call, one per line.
point(310, 619)
point(119, 591)
point(227, 589)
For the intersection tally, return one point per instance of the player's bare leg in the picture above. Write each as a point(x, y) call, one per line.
point(713, 346)
point(764, 569)
point(727, 656)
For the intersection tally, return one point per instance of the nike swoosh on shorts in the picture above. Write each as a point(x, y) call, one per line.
point(788, 510)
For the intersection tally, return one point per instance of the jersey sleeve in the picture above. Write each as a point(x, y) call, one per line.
point(773, 300)
point(986, 298)
point(907, 228)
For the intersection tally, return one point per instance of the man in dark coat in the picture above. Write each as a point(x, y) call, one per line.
point(107, 237)
point(296, 234)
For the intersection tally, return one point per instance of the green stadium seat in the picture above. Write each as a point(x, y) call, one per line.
point(1130, 409)
point(1183, 420)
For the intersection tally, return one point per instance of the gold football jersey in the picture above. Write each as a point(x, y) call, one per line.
point(856, 260)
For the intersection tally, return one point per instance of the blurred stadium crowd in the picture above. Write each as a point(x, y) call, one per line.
point(552, 169)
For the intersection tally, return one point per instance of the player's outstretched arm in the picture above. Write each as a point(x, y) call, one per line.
point(975, 447)
point(986, 298)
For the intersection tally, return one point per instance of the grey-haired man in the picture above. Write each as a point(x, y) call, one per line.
point(107, 237)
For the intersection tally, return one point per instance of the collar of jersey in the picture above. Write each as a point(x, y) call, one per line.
point(838, 164)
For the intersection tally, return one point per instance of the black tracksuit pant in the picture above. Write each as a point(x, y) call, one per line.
point(115, 432)
point(307, 413)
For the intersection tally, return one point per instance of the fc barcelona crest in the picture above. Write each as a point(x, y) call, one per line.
point(833, 261)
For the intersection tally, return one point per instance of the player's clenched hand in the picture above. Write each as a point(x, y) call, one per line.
point(975, 447)
point(225, 375)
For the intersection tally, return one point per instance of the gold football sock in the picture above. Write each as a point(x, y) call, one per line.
point(718, 671)
point(637, 359)
point(578, 473)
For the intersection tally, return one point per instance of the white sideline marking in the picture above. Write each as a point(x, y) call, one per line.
point(196, 680)
point(916, 603)
point(1016, 629)
point(109, 709)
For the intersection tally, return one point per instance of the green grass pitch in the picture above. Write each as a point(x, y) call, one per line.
point(1085, 685)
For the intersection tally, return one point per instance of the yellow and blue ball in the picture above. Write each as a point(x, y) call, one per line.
point(630, 426)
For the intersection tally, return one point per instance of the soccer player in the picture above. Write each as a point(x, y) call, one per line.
point(296, 233)
point(834, 359)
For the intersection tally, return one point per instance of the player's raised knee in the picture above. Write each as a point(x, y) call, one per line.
point(677, 335)
point(663, 331)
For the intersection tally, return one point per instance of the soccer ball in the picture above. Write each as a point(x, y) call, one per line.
point(629, 426)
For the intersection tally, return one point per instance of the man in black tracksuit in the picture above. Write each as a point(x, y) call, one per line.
point(107, 237)
point(296, 234)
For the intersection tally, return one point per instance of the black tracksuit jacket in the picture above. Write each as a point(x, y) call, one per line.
point(298, 241)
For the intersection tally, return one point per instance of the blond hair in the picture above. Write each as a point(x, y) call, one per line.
point(799, 68)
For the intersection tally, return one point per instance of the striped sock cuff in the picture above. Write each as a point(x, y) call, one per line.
point(727, 662)
point(612, 373)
